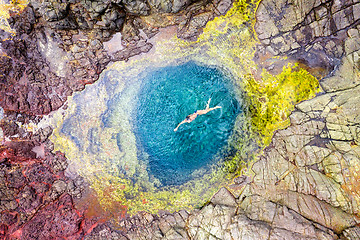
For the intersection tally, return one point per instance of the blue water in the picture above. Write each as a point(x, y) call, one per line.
point(167, 96)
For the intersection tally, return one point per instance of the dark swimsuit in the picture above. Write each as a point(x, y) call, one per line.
point(188, 116)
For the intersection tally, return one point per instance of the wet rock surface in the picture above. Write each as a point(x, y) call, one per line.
point(306, 183)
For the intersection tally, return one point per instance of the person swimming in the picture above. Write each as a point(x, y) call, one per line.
point(191, 117)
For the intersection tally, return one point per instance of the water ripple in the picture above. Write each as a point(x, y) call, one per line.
point(167, 96)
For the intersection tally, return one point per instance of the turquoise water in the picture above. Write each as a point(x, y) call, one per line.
point(167, 96)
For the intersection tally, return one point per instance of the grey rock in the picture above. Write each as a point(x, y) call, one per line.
point(58, 162)
point(76, 187)
point(224, 197)
point(104, 232)
point(223, 6)
point(189, 30)
point(316, 20)
point(55, 11)
point(161, 5)
point(352, 233)
point(57, 189)
point(136, 7)
point(178, 5)
point(204, 224)
point(42, 134)
point(168, 6)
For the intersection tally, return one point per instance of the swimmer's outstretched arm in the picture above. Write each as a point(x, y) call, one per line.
point(184, 121)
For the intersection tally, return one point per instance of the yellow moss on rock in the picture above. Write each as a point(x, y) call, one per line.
point(272, 99)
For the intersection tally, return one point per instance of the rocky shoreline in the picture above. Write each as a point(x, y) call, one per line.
point(305, 185)
point(74, 34)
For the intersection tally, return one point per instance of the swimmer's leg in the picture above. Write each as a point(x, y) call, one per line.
point(208, 104)
point(213, 108)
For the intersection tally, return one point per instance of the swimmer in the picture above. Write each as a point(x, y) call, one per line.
point(192, 117)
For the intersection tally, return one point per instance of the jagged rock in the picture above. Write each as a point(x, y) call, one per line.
point(169, 6)
point(57, 161)
point(104, 232)
point(224, 197)
point(55, 220)
point(242, 180)
point(125, 54)
point(189, 30)
point(302, 29)
point(223, 6)
point(32, 200)
point(76, 187)
point(15, 178)
point(9, 128)
point(161, 6)
point(57, 189)
point(352, 233)
point(42, 134)
point(348, 74)
point(211, 221)
point(138, 7)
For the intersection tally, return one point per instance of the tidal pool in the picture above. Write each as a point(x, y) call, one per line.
point(118, 132)
point(166, 97)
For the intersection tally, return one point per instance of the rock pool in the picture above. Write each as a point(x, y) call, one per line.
point(167, 96)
